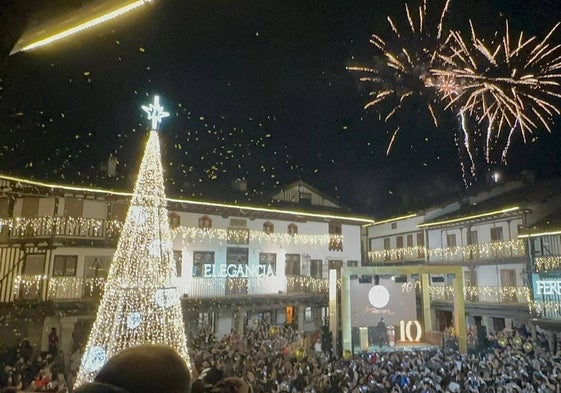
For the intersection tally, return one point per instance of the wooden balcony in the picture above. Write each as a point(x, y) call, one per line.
point(474, 252)
point(30, 287)
point(480, 252)
point(397, 255)
point(56, 227)
point(550, 262)
point(548, 310)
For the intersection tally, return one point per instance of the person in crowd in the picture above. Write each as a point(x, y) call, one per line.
point(263, 361)
point(147, 368)
point(53, 342)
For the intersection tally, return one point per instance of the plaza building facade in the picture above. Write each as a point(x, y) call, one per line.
point(482, 233)
point(487, 235)
point(237, 266)
point(544, 245)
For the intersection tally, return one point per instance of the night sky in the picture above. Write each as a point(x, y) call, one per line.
point(256, 90)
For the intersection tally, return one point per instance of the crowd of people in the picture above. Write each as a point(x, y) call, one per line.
point(281, 359)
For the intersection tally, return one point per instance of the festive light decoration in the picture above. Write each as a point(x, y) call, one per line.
point(540, 234)
point(507, 83)
point(410, 54)
point(155, 112)
point(393, 219)
point(471, 217)
point(492, 250)
point(83, 26)
point(138, 304)
point(552, 262)
point(198, 287)
point(273, 330)
point(545, 309)
point(472, 252)
point(502, 341)
point(396, 254)
point(482, 294)
point(203, 235)
point(61, 226)
point(26, 182)
point(299, 353)
point(500, 85)
point(528, 346)
point(65, 287)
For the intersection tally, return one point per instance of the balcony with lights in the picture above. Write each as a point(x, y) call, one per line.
point(30, 287)
point(511, 251)
point(39, 229)
point(504, 301)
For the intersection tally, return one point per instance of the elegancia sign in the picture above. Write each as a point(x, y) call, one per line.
point(241, 270)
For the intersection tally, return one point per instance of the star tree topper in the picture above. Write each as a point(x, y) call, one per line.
point(155, 112)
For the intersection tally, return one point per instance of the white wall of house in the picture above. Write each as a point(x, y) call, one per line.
point(306, 243)
point(490, 275)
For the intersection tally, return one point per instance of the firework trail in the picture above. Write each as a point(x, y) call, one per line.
point(406, 74)
point(500, 87)
point(508, 86)
point(409, 56)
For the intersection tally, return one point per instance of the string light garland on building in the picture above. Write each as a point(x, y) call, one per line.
point(545, 309)
point(492, 250)
point(140, 303)
point(61, 226)
point(201, 235)
point(552, 262)
point(489, 294)
point(471, 217)
point(489, 250)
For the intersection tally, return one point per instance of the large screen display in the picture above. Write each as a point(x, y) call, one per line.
point(382, 297)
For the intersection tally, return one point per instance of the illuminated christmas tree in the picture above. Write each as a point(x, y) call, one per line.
point(140, 303)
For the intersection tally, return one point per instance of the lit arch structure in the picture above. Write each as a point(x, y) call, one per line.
point(424, 272)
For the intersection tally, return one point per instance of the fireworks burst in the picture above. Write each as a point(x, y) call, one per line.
point(409, 56)
point(508, 85)
point(498, 87)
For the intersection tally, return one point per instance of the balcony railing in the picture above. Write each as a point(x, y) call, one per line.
point(472, 252)
point(545, 309)
point(482, 294)
point(206, 287)
point(30, 287)
point(551, 262)
point(397, 254)
point(483, 251)
point(59, 227)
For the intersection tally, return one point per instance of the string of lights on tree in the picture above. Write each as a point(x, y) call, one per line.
point(140, 303)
